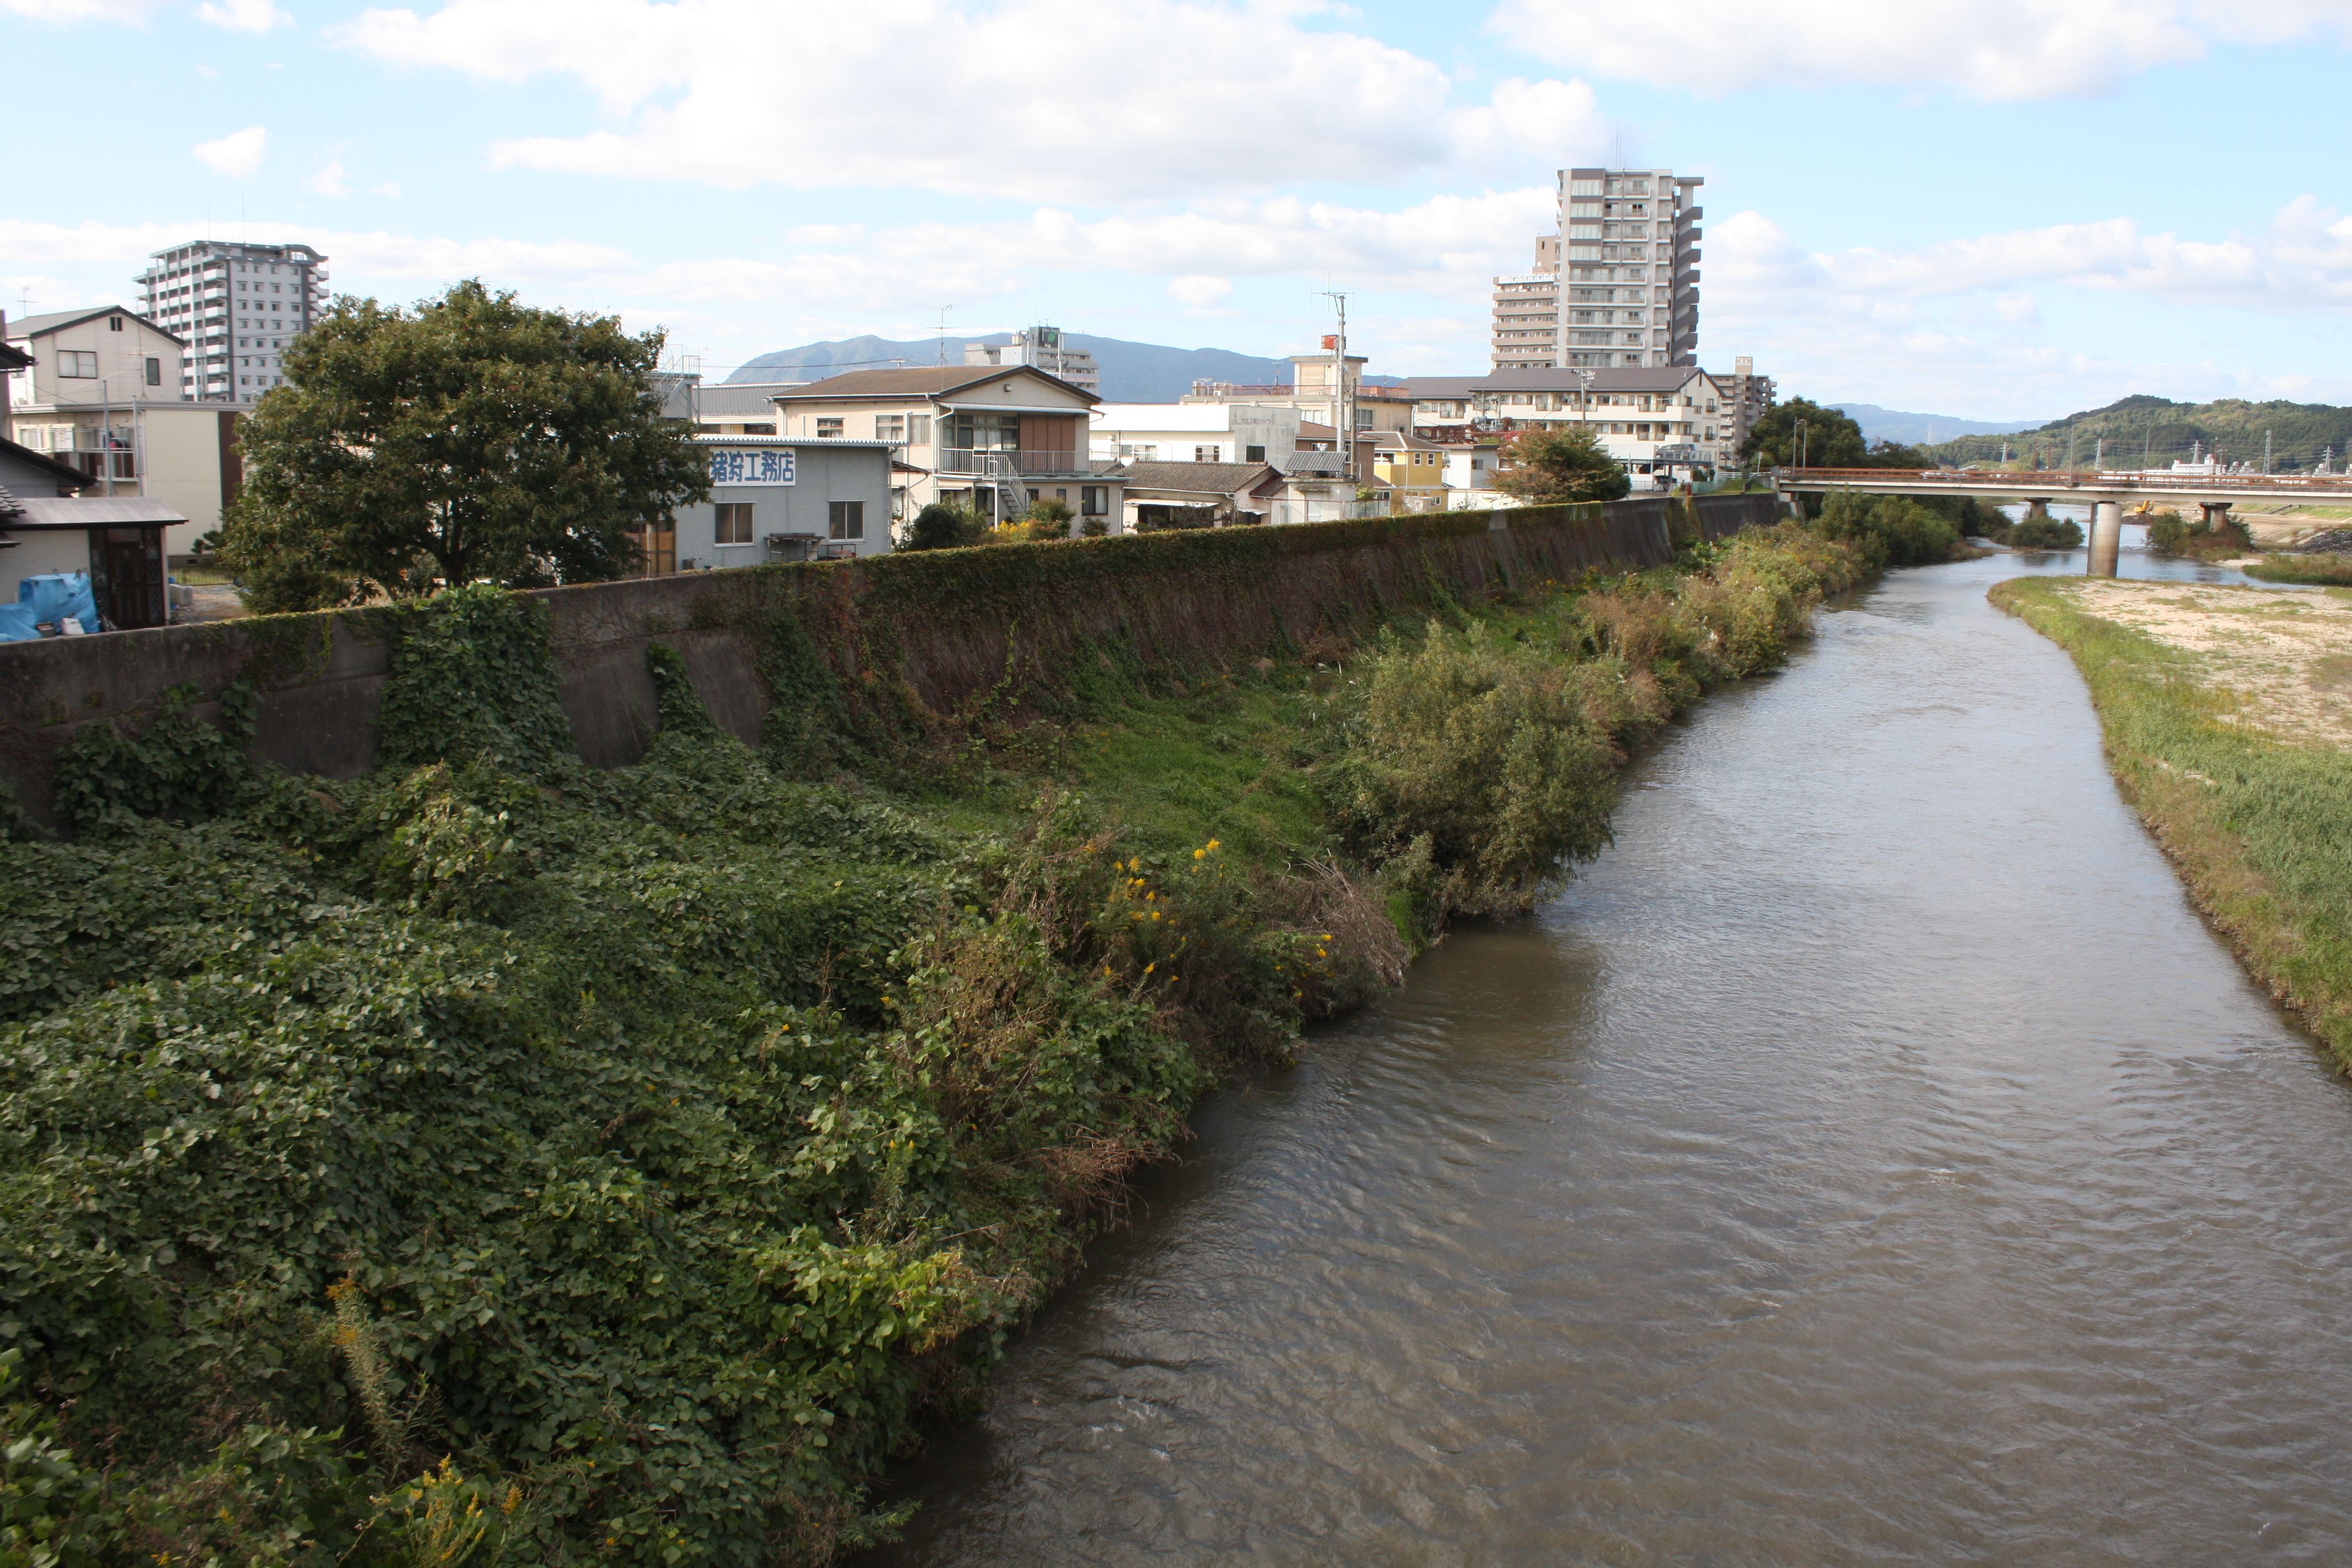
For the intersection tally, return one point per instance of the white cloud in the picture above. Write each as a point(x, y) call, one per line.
point(1051, 100)
point(389, 191)
point(330, 181)
point(1198, 290)
point(242, 16)
point(2002, 50)
point(63, 12)
point(238, 154)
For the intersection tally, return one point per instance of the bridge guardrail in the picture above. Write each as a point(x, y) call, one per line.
point(2056, 479)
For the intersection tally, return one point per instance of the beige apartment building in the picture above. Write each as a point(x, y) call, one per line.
point(997, 439)
point(1620, 275)
point(1526, 313)
point(1652, 419)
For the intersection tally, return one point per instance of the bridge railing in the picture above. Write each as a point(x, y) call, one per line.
point(2022, 481)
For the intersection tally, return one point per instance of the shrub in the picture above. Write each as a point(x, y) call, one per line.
point(942, 525)
point(2170, 534)
point(1888, 530)
point(1483, 755)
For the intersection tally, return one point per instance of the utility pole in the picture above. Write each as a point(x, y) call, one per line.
point(2266, 451)
point(1799, 453)
point(1343, 405)
point(2099, 456)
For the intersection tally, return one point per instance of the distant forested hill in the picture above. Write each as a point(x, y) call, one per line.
point(1918, 429)
point(2156, 430)
point(1131, 373)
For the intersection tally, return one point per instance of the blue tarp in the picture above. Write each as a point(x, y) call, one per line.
point(51, 597)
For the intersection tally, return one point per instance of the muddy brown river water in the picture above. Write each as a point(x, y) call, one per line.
point(1871, 1159)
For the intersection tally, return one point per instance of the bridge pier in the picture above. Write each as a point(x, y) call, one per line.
point(2037, 506)
point(2214, 513)
point(2106, 536)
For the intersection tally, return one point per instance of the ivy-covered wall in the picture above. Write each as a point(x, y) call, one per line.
point(940, 631)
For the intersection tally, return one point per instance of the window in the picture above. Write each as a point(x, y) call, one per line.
point(828, 429)
point(114, 323)
point(845, 520)
point(919, 429)
point(1204, 454)
point(734, 523)
point(767, 429)
point(154, 372)
point(76, 365)
point(889, 427)
point(1094, 500)
point(1253, 454)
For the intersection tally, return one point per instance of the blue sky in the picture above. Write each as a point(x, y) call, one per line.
point(1995, 209)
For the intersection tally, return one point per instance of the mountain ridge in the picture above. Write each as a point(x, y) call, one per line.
point(1129, 371)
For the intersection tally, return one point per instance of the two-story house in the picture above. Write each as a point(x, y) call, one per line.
point(100, 392)
point(998, 439)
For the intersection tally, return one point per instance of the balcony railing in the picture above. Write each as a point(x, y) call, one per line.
point(977, 461)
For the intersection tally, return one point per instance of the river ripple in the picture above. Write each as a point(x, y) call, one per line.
point(1871, 1159)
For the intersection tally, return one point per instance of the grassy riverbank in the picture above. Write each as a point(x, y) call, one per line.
point(492, 1159)
point(2224, 715)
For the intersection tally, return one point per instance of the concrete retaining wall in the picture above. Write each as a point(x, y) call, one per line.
point(950, 625)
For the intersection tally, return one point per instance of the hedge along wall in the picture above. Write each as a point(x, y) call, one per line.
point(941, 629)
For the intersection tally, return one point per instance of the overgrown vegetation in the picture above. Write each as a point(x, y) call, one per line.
point(495, 1160)
point(2261, 828)
point(2170, 534)
point(1888, 530)
point(2323, 570)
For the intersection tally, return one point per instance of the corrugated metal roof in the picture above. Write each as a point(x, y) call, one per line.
point(90, 512)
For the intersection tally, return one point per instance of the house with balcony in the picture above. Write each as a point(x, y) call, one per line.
point(98, 390)
point(998, 439)
point(1655, 419)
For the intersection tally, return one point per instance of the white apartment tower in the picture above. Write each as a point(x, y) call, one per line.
point(1623, 278)
point(238, 306)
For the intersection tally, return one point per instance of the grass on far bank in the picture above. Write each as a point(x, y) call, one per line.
point(2259, 827)
point(2322, 570)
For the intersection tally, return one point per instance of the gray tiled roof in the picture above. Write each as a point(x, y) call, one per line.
point(1204, 478)
point(933, 382)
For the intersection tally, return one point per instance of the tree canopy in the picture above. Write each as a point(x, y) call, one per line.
point(1566, 463)
point(1833, 440)
point(470, 439)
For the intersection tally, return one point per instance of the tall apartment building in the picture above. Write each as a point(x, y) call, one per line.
point(1623, 279)
point(1526, 313)
point(1750, 398)
point(238, 307)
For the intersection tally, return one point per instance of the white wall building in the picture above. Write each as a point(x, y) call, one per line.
point(1049, 349)
point(1195, 432)
point(1623, 273)
point(237, 307)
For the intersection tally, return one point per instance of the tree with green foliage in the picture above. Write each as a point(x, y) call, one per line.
point(1833, 440)
point(1568, 463)
point(471, 438)
point(944, 525)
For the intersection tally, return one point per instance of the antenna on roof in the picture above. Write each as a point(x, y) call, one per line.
point(943, 333)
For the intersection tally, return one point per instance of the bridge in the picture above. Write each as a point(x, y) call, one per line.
point(2104, 491)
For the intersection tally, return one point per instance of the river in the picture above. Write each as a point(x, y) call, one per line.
point(1871, 1159)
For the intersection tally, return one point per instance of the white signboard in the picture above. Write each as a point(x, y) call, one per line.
point(760, 465)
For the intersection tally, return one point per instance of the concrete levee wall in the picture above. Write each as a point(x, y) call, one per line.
point(949, 625)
